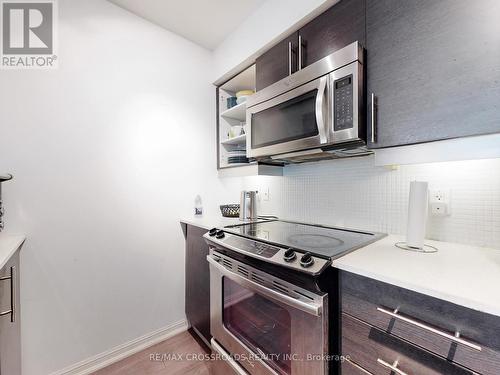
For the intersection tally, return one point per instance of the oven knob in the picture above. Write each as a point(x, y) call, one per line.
point(212, 232)
point(307, 260)
point(289, 255)
point(219, 234)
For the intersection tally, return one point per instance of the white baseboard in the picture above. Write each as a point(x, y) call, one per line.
point(122, 351)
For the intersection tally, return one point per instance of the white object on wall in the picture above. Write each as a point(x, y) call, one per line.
point(417, 214)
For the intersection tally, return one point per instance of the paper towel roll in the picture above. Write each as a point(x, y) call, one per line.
point(417, 214)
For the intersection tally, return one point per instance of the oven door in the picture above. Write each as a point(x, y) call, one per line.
point(267, 325)
point(293, 121)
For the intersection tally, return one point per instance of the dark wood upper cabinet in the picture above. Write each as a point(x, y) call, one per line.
point(277, 63)
point(198, 283)
point(433, 67)
point(339, 26)
point(334, 29)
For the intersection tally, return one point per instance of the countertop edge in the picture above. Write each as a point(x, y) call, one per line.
point(473, 305)
point(12, 243)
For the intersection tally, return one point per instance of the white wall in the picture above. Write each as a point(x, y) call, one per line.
point(271, 22)
point(107, 152)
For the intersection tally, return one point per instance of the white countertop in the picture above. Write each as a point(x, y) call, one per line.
point(209, 222)
point(8, 246)
point(461, 274)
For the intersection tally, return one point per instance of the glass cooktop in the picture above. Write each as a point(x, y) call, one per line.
point(327, 242)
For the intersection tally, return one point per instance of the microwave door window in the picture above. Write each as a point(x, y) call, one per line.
point(288, 121)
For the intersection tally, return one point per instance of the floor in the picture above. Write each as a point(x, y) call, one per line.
point(173, 357)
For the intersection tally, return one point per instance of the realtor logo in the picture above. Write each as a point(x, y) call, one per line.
point(28, 34)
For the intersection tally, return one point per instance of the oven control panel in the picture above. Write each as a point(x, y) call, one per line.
point(343, 103)
point(254, 247)
point(287, 257)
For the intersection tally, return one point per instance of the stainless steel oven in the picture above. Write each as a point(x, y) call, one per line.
point(318, 108)
point(268, 325)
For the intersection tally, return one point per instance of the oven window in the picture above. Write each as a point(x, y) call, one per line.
point(288, 121)
point(259, 323)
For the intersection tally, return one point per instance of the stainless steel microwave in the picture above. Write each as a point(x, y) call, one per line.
point(315, 113)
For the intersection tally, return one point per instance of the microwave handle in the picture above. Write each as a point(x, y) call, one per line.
point(310, 308)
point(320, 115)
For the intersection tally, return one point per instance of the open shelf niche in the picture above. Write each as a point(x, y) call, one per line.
point(232, 120)
point(231, 129)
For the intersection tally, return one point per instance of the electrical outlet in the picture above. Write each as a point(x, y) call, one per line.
point(439, 195)
point(265, 194)
point(439, 202)
point(439, 209)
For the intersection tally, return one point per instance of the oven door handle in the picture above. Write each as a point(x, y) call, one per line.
point(320, 114)
point(310, 308)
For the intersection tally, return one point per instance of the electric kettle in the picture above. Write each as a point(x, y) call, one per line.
point(248, 205)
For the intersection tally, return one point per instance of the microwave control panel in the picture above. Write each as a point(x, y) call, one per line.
point(343, 103)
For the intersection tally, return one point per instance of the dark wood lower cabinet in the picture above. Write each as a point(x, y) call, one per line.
point(197, 283)
point(10, 325)
point(377, 351)
point(372, 302)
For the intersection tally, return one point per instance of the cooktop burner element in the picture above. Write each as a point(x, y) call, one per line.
point(327, 242)
point(314, 241)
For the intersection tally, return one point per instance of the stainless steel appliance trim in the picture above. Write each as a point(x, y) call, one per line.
point(226, 357)
point(289, 58)
point(324, 112)
point(12, 279)
point(297, 153)
point(300, 52)
point(345, 56)
point(351, 134)
point(319, 263)
point(426, 327)
point(310, 308)
point(305, 326)
point(279, 148)
point(320, 110)
point(393, 367)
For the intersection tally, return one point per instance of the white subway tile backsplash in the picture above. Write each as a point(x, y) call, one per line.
point(356, 193)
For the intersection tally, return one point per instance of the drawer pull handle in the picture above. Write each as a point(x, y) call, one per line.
point(455, 338)
point(358, 367)
point(393, 367)
point(12, 280)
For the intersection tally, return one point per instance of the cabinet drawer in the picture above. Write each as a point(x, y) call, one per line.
point(424, 321)
point(377, 351)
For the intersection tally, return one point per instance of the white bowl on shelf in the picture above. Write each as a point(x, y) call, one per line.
point(242, 99)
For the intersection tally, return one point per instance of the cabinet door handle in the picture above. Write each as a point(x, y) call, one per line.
point(374, 119)
point(289, 58)
point(393, 367)
point(12, 279)
point(455, 338)
point(300, 52)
